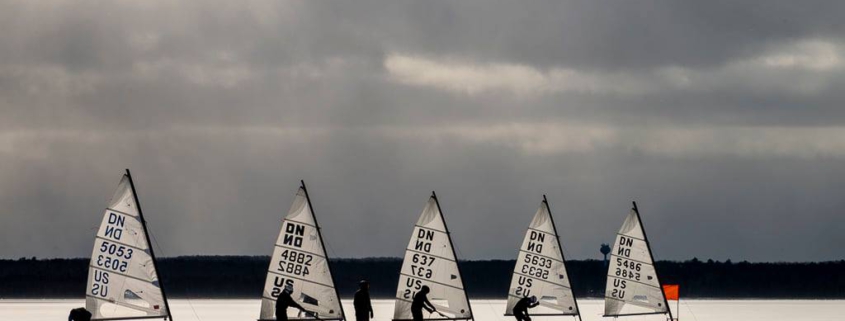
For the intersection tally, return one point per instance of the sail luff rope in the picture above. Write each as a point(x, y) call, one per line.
point(188, 298)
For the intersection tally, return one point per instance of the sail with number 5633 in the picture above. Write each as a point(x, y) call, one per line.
point(540, 270)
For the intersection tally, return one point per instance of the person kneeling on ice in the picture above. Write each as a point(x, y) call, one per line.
point(421, 302)
point(284, 301)
point(520, 310)
point(79, 314)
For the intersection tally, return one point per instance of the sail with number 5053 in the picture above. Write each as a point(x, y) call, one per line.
point(540, 270)
point(299, 261)
point(123, 281)
point(430, 261)
point(633, 287)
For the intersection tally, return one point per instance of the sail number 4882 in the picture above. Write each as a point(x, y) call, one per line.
point(294, 262)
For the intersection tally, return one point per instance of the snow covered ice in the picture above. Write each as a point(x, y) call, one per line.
point(485, 310)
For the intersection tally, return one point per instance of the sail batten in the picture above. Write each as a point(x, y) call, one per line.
point(123, 281)
point(633, 285)
point(540, 269)
point(430, 260)
point(300, 261)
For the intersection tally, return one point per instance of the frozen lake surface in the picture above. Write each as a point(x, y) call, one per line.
point(484, 310)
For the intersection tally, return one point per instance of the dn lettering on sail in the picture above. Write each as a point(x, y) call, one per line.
point(115, 225)
point(624, 246)
point(424, 240)
point(293, 234)
point(536, 242)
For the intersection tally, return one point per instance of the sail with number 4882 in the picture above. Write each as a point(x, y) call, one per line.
point(300, 261)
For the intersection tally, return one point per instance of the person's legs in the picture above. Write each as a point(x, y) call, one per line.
point(417, 315)
point(361, 316)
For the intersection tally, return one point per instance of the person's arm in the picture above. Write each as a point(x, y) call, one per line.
point(428, 306)
point(296, 305)
point(370, 305)
point(532, 305)
point(70, 317)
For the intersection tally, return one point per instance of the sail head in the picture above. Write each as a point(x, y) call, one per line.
point(430, 261)
point(633, 286)
point(541, 270)
point(122, 280)
point(300, 261)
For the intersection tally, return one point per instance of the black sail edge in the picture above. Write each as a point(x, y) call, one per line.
point(457, 264)
point(325, 253)
point(152, 252)
point(651, 255)
point(562, 256)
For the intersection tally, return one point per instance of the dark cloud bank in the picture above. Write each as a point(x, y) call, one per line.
point(723, 120)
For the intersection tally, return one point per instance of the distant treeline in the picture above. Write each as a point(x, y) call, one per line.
point(243, 277)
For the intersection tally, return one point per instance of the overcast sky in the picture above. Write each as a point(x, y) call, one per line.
point(724, 120)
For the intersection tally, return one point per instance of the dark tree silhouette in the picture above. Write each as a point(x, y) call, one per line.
point(243, 277)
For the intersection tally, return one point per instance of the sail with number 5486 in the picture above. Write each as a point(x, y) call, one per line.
point(633, 286)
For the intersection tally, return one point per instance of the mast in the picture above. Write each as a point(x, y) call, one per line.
point(656, 275)
point(449, 235)
point(322, 244)
point(150, 244)
point(565, 268)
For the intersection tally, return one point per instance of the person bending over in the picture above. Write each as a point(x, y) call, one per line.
point(520, 310)
point(79, 314)
point(284, 301)
point(421, 302)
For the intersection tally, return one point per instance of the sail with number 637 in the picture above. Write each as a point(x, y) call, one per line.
point(430, 261)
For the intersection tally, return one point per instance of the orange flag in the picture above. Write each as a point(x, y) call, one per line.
point(671, 291)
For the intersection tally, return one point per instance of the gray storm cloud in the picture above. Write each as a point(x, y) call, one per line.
point(723, 120)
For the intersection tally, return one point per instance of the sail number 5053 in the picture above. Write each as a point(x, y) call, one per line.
point(114, 249)
point(294, 262)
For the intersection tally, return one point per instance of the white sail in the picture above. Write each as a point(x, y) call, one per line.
point(541, 269)
point(632, 284)
point(430, 260)
point(122, 280)
point(299, 260)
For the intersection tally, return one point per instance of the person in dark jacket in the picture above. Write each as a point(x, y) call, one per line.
point(520, 310)
point(421, 302)
point(363, 306)
point(284, 301)
point(79, 314)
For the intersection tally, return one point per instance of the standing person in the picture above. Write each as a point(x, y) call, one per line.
point(284, 301)
point(79, 314)
point(520, 310)
point(363, 306)
point(421, 302)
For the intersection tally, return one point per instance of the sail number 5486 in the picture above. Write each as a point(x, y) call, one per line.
point(294, 262)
